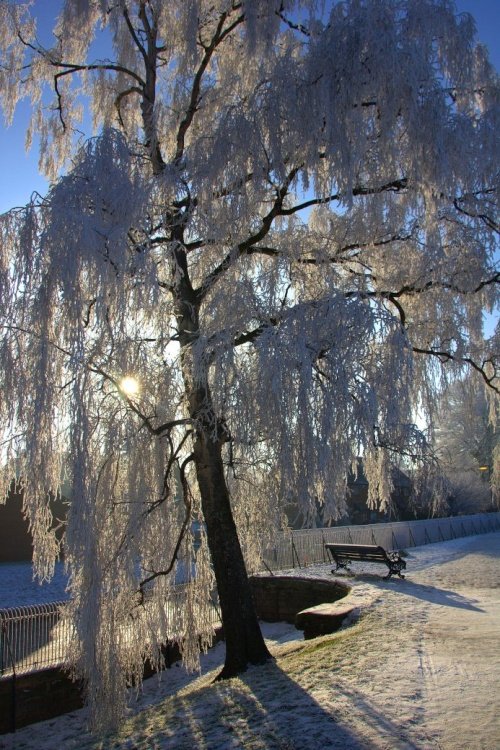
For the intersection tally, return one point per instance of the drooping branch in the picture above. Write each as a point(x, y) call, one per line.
point(121, 96)
point(188, 503)
point(488, 369)
point(446, 356)
point(72, 69)
point(173, 458)
point(164, 428)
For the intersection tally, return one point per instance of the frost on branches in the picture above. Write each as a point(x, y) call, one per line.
point(284, 231)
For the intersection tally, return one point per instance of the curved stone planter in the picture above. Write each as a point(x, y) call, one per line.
point(315, 606)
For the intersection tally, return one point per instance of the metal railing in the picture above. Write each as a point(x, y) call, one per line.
point(34, 638)
point(299, 549)
point(28, 639)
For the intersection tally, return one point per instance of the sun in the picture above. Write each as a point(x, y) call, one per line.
point(129, 385)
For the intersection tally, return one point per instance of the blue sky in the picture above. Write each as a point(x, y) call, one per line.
point(20, 175)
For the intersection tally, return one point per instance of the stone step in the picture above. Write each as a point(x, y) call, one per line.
point(323, 619)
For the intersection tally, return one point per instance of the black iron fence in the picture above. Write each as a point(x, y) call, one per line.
point(36, 637)
point(31, 637)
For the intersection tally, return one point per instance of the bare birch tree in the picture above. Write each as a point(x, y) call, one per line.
point(282, 232)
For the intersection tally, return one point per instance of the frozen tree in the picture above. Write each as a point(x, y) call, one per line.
point(467, 442)
point(281, 233)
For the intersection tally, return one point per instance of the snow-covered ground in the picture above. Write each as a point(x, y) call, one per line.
point(419, 670)
point(18, 587)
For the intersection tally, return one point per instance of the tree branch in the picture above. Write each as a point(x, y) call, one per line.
point(70, 68)
point(186, 495)
point(488, 220)
point(134, 36)
point(245, 246)
point(248, 246)
point(166, 427)
point(194, 100)
point(294, 26)
point(445, 356)
point(433, 284)
point(393, 186)
point(122, 95)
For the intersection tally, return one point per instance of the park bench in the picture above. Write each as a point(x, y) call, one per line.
point(343, 554)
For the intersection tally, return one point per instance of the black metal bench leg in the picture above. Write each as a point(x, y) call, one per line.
point(394, 569)
point(341, 564)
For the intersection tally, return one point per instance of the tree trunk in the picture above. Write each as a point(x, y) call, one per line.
point(244, 642)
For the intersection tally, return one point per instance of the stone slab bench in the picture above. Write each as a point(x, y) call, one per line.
point(324, 618)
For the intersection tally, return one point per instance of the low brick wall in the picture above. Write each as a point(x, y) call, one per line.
point(279, 598)
point(36, 696)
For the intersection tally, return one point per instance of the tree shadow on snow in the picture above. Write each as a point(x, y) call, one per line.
point(385, 728)
point(426, 592)
point(264, 710)
point(300, 723)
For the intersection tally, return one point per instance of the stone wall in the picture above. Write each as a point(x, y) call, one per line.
point(279, 598)
point(37, 696)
